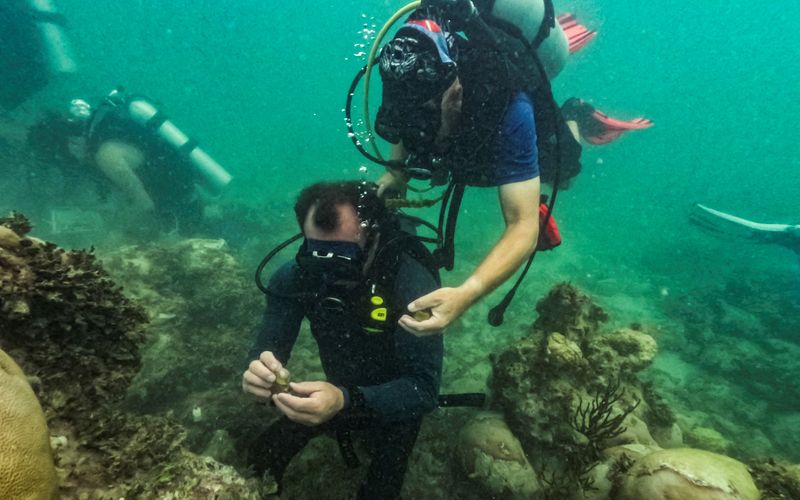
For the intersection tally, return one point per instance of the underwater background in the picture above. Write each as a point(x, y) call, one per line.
point(262, 86)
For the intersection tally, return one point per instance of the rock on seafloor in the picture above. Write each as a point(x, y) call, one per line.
point(687, 474)
point(492, 458)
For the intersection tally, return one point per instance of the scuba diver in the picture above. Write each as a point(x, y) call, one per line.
point(785, 235)
point(33, 48)
point(351, 278)
point(128, 143)
point(478, 111)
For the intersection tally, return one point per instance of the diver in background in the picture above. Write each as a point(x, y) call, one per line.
point(460, 108)
point(127, 143)
point(33, 48)
point(352, 278)
point(785, 235)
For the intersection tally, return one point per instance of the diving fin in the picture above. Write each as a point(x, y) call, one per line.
point(597, 127)
point(707, 215)
point(578, 35)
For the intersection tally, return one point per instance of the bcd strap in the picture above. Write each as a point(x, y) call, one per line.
point(188, 147)
point(548, 23)
point(446, 253)
point(345, 440)
point(156, 121)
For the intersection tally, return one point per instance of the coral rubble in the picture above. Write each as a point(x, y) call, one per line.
point(203, 309)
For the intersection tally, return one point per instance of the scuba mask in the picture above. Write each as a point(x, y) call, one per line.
point(344, 292)
point(337, 266)
point(415, 68)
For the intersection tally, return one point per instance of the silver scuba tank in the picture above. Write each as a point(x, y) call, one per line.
point(527, 15)
point(215, 175)
point(59, 51)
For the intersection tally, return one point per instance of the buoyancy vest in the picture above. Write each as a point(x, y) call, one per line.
point(493, 67)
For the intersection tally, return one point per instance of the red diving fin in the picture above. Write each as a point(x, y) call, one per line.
point(597, 127)
point(612, 128)
point(577, 34)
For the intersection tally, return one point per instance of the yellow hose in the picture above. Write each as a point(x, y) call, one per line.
point(372, 53)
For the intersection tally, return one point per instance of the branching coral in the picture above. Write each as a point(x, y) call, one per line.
point(596, 421)
point(599, 420)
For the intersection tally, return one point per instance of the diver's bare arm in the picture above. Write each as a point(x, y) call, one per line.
point(519, 202)
point(394, 179)
point(117, 161)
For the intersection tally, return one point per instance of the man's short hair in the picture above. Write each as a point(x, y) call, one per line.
point(325, 197)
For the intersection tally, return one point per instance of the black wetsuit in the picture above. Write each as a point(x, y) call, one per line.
point(397, 373)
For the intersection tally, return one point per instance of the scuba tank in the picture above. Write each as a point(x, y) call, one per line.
point(145, 114)
point(535, 22)
point(59, 51)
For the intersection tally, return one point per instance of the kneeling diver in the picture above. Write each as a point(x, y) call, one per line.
point(132, 145)
point(352, 277)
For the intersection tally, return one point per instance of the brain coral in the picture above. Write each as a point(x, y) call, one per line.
point(26, 462)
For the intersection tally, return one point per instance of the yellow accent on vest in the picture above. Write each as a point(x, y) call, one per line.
point(379, 314)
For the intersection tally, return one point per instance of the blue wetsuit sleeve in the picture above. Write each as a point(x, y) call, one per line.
point(419, 359)
point(516, 153)
point(280, 323)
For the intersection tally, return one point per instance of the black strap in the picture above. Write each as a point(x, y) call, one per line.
point(548, 23)
point(156, 121)
point(188, 147)
point(451, 205)
point(470, 399)
point(345, 440)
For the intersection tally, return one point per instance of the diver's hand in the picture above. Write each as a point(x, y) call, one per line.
point(392, 182)
point(312, 403)
point(445, 305)
point(260, 376)
point(459, 10)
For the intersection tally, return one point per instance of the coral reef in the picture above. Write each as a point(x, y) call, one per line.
point(67, 323)
point(687, 474)
point(130, 383)
point(570, 393)
point(26, 462)
point(70, 326)
point(540, 381)
point(492, 457)
point(191, 476)
point(777, 481)
point(750, 323)
point(203, 309)
point(567, 311)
